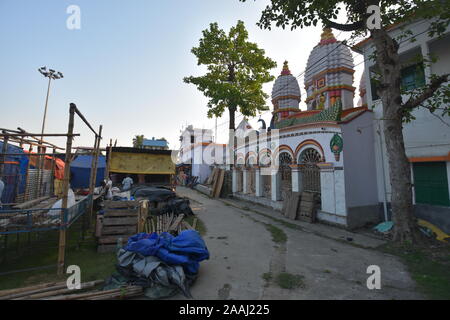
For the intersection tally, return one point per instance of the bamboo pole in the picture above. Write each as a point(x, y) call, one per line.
point(3, 158)
point(65, 192)
point(8, 292)
point(54, 292)
point(94, 172)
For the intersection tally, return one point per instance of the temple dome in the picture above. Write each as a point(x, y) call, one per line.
point(286, 85)
point(330, 68)
point(362, 91)
point(286, 92)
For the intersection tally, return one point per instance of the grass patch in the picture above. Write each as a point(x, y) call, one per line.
point(43, 251)
point(267, 276)
point(278, 235)
point(201, 228)
point(429, 267)
point(290, 281)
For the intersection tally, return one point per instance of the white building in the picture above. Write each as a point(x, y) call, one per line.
point(198, 150)
point(427, 138)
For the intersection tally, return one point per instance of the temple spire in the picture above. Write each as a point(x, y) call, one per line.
point(327, 36)
point(285, 70)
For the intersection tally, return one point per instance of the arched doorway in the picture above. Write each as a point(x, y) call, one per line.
point(285, 160)
point(310, 171)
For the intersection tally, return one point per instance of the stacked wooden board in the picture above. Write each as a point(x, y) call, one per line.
point(119, 221)
point(300, 206)
point(215, 180)
point(307, 210)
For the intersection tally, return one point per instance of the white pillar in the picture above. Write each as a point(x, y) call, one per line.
point(235, 180)
point(259, 188)
point(245, 187)
point(297, 183)
point(327, 190)
point(276, 185)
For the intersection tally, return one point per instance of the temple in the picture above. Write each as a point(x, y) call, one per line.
point(307, 151)
point(325, 145)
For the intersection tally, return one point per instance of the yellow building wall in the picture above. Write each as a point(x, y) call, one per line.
point(141, 163)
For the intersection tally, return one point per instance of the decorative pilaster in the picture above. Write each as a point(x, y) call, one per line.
point(235, 180)
point(245, 180)
point(259, 188)
point(276, 184)
point(297, 176)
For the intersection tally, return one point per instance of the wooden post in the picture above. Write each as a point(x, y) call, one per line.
point(94, 171)
point(52, 177)
point(108, 159)
point(3, 158)
point(65, 191)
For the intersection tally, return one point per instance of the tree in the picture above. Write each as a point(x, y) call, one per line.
point(303, 13)
point(237, 69)
point(138, 141)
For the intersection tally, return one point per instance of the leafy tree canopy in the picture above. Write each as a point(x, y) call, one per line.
point(237, 69)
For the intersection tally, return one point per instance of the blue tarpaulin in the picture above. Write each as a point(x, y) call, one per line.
point(187, 249)
point(14, 173)
point(80, 171)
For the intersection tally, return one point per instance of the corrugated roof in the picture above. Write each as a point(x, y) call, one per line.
point(154, 143)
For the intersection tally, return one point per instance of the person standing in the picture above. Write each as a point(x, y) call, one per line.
point(127, 183)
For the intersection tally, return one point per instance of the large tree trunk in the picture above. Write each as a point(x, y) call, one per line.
point(387, 59)
point(232, 111)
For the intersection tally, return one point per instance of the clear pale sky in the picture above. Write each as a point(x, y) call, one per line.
point(124, 67)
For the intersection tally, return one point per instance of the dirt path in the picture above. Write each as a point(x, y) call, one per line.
point(243, 250)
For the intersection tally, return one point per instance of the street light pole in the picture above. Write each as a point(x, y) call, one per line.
point(50, 74)
point(45, 110)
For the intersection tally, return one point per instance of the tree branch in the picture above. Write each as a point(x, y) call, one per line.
point(344, 27)
point(427, 93)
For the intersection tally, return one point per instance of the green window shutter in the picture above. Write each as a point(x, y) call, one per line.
point(413, 77)
point(430, 183)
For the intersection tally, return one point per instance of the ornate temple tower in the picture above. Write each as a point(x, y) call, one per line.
point(285, 95)
point(362, 91)
point(329, 74)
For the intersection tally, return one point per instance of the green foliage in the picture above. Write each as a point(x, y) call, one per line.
point(138, 141)
point(290, 281)
point(237, 69)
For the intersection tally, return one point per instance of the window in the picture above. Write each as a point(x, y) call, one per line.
point(374, 84)
point(413, 77)
point(430, 183)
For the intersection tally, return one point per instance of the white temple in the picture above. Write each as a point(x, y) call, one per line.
point(309, 153)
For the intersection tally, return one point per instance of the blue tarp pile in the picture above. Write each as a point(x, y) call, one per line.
point(163, 264)
point(80, 171)
point(14, 174)
point(187, 249)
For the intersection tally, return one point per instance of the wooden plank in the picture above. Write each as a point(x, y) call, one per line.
point(187, 226)
point(177, 222)
point(121, 204)
point(219, 183)
point(121, 213)
point(119, 221)
point(307, 196)
point(113, 239)
point(31, 203)
point(292, 207)
point(113, 230)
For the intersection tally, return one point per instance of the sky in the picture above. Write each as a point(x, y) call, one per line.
point(124, 67)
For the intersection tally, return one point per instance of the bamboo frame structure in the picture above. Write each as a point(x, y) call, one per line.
point(23, 137)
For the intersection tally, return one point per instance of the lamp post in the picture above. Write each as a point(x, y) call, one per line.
point(51, 75)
